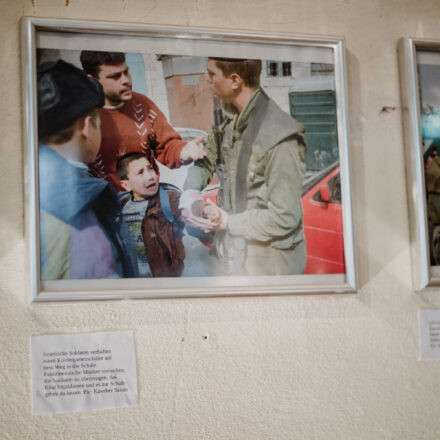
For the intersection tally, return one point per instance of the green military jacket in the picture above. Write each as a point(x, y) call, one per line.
point(432, 180)
point(272, 223)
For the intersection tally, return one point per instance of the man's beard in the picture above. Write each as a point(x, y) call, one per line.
point(119, 98)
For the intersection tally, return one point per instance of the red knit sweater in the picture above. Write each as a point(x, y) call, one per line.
point(130, 128)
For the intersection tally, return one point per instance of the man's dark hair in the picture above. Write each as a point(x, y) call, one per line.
point(91, 60)
point(248, 70)
point(125, 160)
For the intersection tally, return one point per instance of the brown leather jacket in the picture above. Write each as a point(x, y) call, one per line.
point(163, 239)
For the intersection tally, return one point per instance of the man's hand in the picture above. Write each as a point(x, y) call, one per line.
point(192, 151)
point(217, 216)
point(216, 220)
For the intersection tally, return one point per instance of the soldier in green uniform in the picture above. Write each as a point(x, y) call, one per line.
point(263, 149)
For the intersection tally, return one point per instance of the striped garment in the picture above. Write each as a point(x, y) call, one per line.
point(135, 126)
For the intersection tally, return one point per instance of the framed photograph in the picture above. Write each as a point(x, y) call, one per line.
point(273, 201)
point(420, 91)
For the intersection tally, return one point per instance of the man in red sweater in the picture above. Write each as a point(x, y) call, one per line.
point(130, 122)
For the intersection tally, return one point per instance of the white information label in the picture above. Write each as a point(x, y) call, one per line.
point(83, 372)
point(429, 321)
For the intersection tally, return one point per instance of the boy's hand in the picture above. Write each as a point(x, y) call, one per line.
point(192, 151)
point(197, 222)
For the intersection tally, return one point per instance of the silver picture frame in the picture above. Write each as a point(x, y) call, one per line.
point(413, 54)
point(77, 35)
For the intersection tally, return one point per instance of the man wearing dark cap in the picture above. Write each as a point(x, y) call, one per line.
point(131, 122)
point(260, 231)
point(82, 236)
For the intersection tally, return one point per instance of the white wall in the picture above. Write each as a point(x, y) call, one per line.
point(291, 367)
point(155, 83)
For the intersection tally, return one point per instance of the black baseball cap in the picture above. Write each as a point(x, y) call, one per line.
point(64, 93)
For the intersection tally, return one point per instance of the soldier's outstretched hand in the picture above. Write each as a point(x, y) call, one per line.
point(217, 216)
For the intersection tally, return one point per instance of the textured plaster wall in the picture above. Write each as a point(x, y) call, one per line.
point(292, 367)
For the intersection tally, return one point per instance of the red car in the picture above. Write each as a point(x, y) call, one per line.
point(322, 209)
